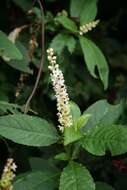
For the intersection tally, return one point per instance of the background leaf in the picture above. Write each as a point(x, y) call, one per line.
point(8, 50)
point(76, 177)
point(6, 107)
point(67, 23)
point(27, 130)
point(95, 58)
point(104, 138)
point(60, 41)
point(21, 65)
point(86, 10)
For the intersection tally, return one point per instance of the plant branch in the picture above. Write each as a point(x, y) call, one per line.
point(42, 60)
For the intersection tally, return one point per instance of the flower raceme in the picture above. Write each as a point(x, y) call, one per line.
point(57, 78)
point(87, 27)
point(8, 175)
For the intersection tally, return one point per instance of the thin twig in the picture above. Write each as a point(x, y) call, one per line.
point(41, 63)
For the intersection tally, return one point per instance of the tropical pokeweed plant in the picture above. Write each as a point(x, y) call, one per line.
point(95, 130)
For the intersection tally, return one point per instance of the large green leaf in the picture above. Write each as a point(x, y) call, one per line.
point(27, 130)
point(103, 186)
point(86, 10)
point(8, 50)
point(46, 180)
point(21, 65)
point(60, 41)
point(67, 23)
point(95, 58)
point(76, 177)
point(104, 138)
point(103, 112)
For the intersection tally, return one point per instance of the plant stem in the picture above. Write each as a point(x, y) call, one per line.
point(41, 63)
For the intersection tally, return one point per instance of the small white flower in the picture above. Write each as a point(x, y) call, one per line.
point(13, 166)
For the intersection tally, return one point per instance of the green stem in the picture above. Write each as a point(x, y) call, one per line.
point(76, 151)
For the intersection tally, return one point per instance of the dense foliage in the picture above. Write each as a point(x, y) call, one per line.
point(63, 113)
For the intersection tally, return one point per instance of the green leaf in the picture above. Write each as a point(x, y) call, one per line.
point(37, 12)
point(23, 4)
point(104, 138)
point(71, 43)
point(27, 130)
point(6, 107)
point(86, 10)
point(82, 121)
point(76, 7)
point(60, 41)
point(103, 186)
point(67, 23)
point(46, 180)
point(76, 177)
point(75, 111)
point(21, 65)
point(95, 58)
point(103, 112)
point(71, 134)
point(89, 12)
point(8, 50)
point(62, 156)
point(74, 133)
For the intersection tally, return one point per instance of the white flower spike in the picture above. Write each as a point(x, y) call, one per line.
point(8, 175)
point(87, 27)
point(57, 78)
